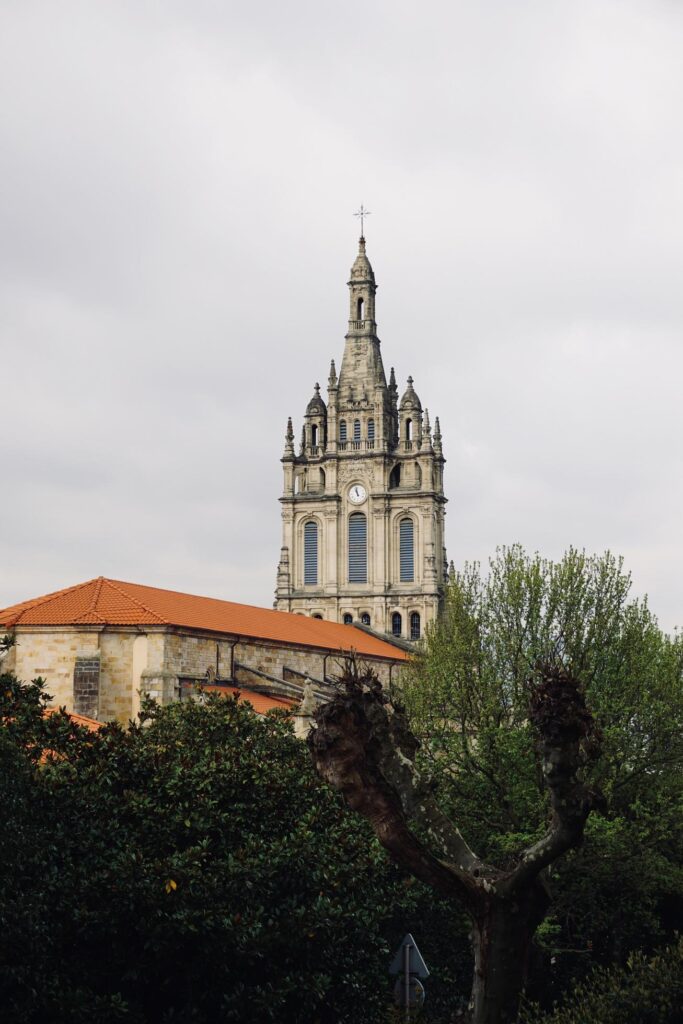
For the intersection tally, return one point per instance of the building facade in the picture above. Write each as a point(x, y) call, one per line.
point(104, 644)
point(363, 504)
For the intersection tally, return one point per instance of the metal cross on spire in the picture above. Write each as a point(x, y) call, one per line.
point(362, 213)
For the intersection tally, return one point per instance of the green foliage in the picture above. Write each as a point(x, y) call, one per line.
point(468, 702)
point(192, 868)
point(646, 991)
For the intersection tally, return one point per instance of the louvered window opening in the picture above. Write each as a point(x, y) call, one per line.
point(371, 430)
point(342, 430)
point(358, 548)
point(396, 624)
point(356, 430)
point(406, 555)
point(311, 553)
point(415, 626)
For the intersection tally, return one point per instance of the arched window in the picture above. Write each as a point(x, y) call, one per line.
point(316, 615)
point(365, 619)
point(314, 434)
point(406, 553)
point(348, 618)
point(395, 477)
point(310, 553)
point(371, 431)
point(415, 626)
point(342, 430)
point(359, 309)
point(356, 430)
point(396, 624)
point(409, 430)
point(358, 548)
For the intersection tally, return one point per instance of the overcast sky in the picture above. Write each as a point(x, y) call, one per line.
point(177, 187)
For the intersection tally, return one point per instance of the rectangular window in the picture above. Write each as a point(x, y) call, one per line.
point(406, 555)
point(310, 553)
point(358, 548)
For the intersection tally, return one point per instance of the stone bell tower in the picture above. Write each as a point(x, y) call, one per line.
point(363, 504)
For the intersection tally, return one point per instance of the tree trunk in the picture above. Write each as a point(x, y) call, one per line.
point(501, 943)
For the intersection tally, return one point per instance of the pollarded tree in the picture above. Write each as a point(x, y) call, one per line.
point(364, 748)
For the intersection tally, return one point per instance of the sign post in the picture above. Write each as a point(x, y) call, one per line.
point(409, 992)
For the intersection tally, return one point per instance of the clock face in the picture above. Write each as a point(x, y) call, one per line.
point(357, 494)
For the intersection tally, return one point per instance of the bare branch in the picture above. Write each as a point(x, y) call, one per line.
point(363, 747)
point(567, 740)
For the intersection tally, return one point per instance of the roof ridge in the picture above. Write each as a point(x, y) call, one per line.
point(140, 604)
point(37, 602)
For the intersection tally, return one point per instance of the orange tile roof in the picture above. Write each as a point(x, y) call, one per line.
point(88, 723)
point(261, 702)
point(113, 603)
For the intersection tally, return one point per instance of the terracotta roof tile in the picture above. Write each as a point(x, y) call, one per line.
point(261, 702)
point(115, 603)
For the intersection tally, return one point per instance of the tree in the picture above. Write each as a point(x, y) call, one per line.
point(485, 739)
point(364, 748)
point(190, 868)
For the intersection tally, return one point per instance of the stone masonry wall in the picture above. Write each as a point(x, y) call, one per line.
point(87, 685)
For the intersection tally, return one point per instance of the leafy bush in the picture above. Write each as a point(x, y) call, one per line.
point(192, 868)
point(646, 991)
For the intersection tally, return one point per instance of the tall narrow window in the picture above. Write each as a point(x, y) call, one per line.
point(314, 435)
point(342, 430)
point(356, 430)
point(310, 553)
point(415, 626)
point(396, 624)
point(371, 430)
point(358, 548)
point(409, 430)
point(406, 551)
point(359, 308)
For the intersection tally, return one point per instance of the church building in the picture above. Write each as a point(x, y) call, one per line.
point(363, 504)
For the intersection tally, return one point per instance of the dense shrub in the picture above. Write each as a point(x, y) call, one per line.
point(646, 991)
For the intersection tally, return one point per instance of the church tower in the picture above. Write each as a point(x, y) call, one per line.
point(363, 502)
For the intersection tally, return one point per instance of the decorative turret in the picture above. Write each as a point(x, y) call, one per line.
point(426, 433)
point(362, 290)
point(410, 418)
point(332, 379)
point(289, 440)
point(315, 425)
point(437, 437)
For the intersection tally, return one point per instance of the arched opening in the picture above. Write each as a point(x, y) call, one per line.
point(415, 626)
point(371, 431)
point(298, 483)
point(356, 430)
point(359, 309)
point(409, 430)
point(316, 615)
point(322, 479)
point(406, 551)
point(348, 619)
point(310, 554)
point(395, 477)
point(342, 431)
point(314, 434)
point(396, 624)
point(365, 619)
point(358, 548)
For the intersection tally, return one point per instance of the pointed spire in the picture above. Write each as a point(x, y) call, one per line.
point(451, 571)
point(392, 380)
point(289, 438)
point(332, 379)
point(302, 446)
point(437, 435)
point(426, 432)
